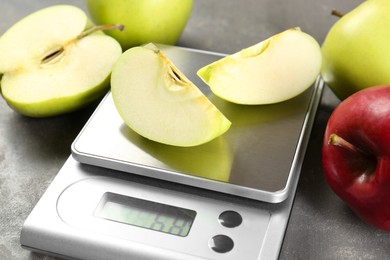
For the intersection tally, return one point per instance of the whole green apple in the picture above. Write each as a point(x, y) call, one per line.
point(158, 21)
point(356, 51)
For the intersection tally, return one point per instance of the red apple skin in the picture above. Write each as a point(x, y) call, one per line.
point(361, 178)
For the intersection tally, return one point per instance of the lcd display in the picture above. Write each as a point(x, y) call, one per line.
point(146, 214)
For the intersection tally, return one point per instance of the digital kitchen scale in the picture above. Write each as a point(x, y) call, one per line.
point(121, 196)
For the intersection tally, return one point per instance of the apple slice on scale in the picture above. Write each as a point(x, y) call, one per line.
point(55, 61)
point(158, 102)
point(271, 71)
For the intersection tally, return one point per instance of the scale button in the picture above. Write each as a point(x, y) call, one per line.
point(230, 219)
point(221, 243)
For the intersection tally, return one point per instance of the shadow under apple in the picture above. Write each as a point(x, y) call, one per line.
point(212, 160)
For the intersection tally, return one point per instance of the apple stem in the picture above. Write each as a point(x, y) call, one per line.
point(336, 140)
point(105, 27)
point(337, 13)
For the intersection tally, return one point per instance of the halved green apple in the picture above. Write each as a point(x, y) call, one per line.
point(53, 62)
point(158, 102)
point(271, 71)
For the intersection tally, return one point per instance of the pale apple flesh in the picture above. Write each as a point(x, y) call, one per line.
point(48, 69)
point(158, 102)
point(271, 71)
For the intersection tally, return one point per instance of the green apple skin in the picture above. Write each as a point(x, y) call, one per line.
point(356, 51)
point(78, 75)
point(157, 101)
point(60, 105)
point(158, 21)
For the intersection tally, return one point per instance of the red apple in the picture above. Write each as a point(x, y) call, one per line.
point(356, 154)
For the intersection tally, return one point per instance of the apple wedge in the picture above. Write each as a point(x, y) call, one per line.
point(271, 71)
point(158, 102)
point(54, 61)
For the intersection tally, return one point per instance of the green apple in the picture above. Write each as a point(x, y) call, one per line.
point(53, 61)
point(158, 21)
point(271, 71)
point(158, 102)
point(356, 51)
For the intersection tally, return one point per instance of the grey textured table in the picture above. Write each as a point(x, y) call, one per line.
point(321, 225)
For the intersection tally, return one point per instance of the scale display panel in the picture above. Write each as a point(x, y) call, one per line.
point(145, 214)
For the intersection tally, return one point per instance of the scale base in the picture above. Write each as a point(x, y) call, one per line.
point(62, 225)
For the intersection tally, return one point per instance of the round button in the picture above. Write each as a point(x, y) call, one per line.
point(221, 244)
point(230, 219)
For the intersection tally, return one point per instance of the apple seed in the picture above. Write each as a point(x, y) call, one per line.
point(57, 54)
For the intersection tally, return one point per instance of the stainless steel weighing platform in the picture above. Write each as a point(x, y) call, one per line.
point(121, 196)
